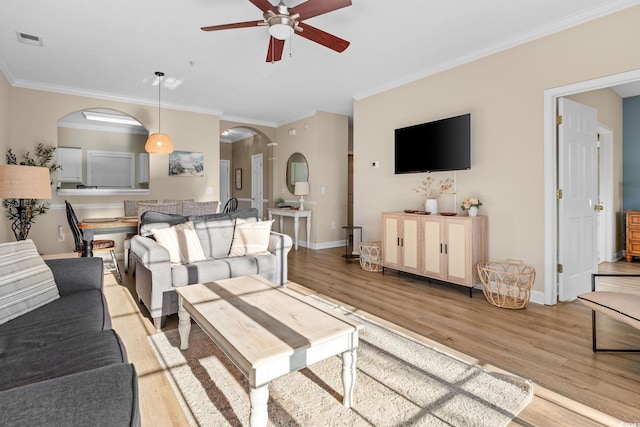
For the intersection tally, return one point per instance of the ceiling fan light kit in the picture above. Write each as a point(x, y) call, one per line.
point(159, 143)
point(284, 22)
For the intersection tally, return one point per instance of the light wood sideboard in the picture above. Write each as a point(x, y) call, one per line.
point(446, 248)
point(633, 234)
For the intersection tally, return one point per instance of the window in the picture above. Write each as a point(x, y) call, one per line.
point(110, 169)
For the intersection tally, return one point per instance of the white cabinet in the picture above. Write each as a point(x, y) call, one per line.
point(143, 168)
point(71, 161)
point(401, 248)
point(449, 248)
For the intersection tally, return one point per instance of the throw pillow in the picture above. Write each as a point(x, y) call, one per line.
point(26, 282)
point(250, 237)
point(190, 247)
point(168, 238)
point(181, 241)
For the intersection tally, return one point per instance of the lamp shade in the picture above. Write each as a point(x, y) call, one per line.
point(158, 143)
point(24, 182)
point(301, 188)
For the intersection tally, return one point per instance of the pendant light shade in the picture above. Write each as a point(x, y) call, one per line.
point(159, 143)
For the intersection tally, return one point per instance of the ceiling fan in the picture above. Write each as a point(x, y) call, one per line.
point(284, 22)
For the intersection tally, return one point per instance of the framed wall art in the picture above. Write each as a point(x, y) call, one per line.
point(238, 179)
point(186, 163)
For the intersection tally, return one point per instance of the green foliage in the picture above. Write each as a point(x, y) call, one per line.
point(43, 157)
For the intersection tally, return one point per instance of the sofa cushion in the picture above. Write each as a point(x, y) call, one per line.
point(262, 264)
point(72, 314)
point(216, 236)
point(105, 397)
point(211, 270)
point(75, 354)
point(250, 237)
point(199, 272)
point(26, 282)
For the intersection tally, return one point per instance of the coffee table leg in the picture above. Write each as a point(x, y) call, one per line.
point(259, 397)
point(184, 324)
point(348, 376)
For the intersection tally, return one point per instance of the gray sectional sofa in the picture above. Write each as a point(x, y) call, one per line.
point(61, 364)
point(156, 276)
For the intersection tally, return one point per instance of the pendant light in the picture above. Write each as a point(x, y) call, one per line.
point(159, 143)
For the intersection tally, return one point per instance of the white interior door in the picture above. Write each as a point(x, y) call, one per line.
point(606, 217)
point(256, 183)
point(225, 181)
point(578, 180)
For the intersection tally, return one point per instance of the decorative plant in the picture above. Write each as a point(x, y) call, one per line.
point(470, 202)
point(430, 189)
point(279, 201)
point(42, 156)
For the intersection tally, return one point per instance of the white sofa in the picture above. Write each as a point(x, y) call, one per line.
point(157, 276)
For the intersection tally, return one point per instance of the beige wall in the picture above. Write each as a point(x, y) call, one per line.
point(504, 94)
point(5, 138)
point(323, 139)
point(33, 118)
point(609, 106)
point(241, 159)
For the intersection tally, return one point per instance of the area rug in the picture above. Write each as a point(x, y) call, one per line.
point(399, 382)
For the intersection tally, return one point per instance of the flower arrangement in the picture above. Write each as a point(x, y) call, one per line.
point(430, 189)
point(470, 202)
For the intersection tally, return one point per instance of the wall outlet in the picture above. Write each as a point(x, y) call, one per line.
point(60, 234)
point(209, 190)
point(333, 225)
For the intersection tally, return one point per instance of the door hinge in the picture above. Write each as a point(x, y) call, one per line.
point(560, 268)
point(558, 120)
point(559, 193)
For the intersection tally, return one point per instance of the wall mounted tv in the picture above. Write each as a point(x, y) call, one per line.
point(441, 145)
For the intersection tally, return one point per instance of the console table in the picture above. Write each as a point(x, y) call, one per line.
point(296, 214)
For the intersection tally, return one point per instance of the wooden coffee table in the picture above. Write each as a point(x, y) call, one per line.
point(268, 331)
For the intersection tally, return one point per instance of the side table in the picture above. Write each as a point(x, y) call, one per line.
point(350, 242)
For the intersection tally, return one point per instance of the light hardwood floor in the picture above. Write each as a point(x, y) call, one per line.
point(551, 345)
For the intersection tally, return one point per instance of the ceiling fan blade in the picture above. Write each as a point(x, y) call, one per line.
point(275, 50)
point(312, 8)
point(263, 5)
point(322, 37)
point(231, 26)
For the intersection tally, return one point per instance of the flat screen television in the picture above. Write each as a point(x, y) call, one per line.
point(441, 145)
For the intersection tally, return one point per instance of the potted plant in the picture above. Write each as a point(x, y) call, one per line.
point(431, 191)
point(279, 201)
point(471, 204)
point(42, 156)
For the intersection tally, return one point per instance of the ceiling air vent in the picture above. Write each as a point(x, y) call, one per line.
point(29, 39)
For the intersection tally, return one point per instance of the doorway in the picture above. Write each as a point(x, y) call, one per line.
point(256, 183)
point(551, 97)
point(225, 180)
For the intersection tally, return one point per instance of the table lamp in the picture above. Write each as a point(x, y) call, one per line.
point(301, 189)
point(24, 182)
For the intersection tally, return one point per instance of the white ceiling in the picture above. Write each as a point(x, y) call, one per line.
point(111, 49)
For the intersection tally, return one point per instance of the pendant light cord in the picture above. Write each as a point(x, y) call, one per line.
point(159, 74)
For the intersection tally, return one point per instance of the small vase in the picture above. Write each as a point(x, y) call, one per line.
point(473, 211)
point(431, 206)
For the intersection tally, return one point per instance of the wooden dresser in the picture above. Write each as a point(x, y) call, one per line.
point(633, 234)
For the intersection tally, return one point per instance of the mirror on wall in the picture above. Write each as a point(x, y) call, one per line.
point(297, 171)
point(102, 149)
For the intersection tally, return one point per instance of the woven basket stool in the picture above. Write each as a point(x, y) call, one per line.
point(370, 259)
point(507, 284)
